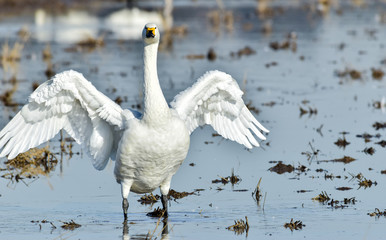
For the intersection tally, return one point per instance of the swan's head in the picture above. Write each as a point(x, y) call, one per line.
point(150, 34)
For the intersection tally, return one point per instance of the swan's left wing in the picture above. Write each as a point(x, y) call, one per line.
point(215, 99)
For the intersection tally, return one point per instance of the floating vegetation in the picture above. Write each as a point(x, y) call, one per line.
point(331, 176)
point(149, 199)
point(211, 56)
point(157, 212)
point(382, 143)
point(367, 137)
point(30, 164)
point(240, 226)
point(342, 204)
point(281, 168)
point(369, 150)
point(246, 51)
point(303, 191)
point(345, 160)
point(366, 183)
point(271, 64)
point(342, 142)
point(297, 225)
point(351, 200)
point(352, 73)
point(378, 125)
point(233, 179)
point(252, 108)
point(178, 195)
point(70, 225)
point(322, 197)
point(195, 56)
point(289, 43)
point(377, 74)
point(377, 213)
point(310, 111)
point(221, 180)
point(90, 44)
point(343, 188)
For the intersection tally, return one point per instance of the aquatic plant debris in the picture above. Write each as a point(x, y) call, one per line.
point(157, 212)
point(381, 143)
point(294, 225)
point(377, 74)
point(343, 188)
point(310, 111)
point(369, 150)
point(281, 168)
point(70, 225)
point(246, 51)
point(149, 199)
point(341, 143)
point(240, 226)
point(30, 164)
point(366, 183)
point(377, 213)
point(345, 160)
point(233, 179)
point(322, 197)
point(90, 43)
point(178, 195)
point(379, 125)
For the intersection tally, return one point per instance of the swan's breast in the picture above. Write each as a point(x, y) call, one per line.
point(149, 154)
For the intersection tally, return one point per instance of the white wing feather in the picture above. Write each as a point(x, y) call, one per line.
point(68, 101)
point(215, 99)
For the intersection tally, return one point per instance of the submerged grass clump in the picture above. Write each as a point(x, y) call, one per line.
point(322, 197)
point(240, 226)
point(31, 164)
point(71, 225)
point(297, 225)
point(233, 179)
point(157, 212)
point(377, 213)
point(149, 199)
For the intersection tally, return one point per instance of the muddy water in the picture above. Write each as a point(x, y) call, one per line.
point(278, 83)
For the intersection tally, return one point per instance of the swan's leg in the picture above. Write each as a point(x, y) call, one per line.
point(125, 190)
point(165, 187)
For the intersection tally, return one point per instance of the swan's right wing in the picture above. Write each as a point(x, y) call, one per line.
point(215, 99)
point(68, 101)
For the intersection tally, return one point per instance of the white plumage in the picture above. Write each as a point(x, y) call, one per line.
point(148, 148)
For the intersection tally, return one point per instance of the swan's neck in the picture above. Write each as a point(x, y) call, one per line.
point(156, 108)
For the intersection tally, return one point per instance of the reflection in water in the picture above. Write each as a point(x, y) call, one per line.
point(151, 234)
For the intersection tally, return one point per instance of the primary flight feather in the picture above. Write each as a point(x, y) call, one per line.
point(148, 148)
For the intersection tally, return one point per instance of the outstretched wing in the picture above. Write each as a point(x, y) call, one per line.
point(215, 99)
point(68, 101)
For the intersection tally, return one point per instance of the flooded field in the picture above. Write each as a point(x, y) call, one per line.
point(312, 73)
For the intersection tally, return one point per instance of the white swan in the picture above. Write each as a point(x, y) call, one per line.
point(148, 148)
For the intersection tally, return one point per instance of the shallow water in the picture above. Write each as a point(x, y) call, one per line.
point(75, 191)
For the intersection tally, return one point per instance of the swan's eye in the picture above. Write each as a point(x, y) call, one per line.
point(150, 32)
